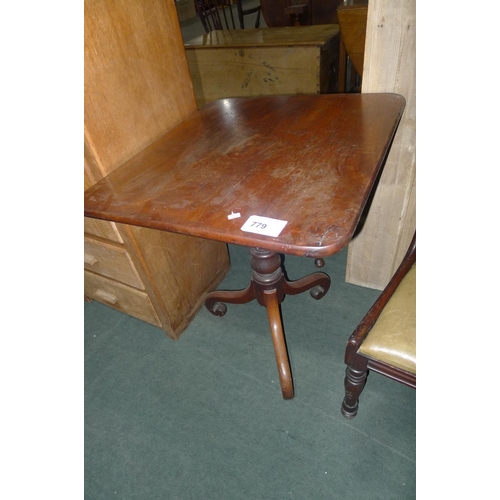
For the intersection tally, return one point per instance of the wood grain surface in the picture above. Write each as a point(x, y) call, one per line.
point(269, 61)
point(310, 160)
point(389, 66)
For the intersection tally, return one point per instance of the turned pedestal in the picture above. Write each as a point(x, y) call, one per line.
point(269, 286)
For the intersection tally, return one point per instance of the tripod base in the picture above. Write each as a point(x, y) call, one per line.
point(269, 287)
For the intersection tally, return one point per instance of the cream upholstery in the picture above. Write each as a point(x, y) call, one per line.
point(392, 339)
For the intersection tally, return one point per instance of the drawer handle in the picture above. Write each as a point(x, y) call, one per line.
point(90, 259)
point(107, 297)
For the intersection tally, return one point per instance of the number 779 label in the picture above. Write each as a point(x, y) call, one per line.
point(264, 225)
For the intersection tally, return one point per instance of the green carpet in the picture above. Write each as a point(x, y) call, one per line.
point(203, 417)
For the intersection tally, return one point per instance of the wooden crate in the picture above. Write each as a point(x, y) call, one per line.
point(267, 61)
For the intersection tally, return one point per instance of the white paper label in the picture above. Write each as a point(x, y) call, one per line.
point(233, 215)
point(264, 225)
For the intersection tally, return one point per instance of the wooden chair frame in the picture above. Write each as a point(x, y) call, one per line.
point(245, 12)
point(358, 364)
point(212, 13)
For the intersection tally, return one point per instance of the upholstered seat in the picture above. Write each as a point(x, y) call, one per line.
point(385, 340)
point(392, 338)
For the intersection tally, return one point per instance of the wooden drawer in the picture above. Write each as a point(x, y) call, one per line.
point(112, 261)
point(102, 229)
point(121, 297)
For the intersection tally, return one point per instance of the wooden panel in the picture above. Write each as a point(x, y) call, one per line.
point(240, 73)
point(121, 297)
point(271, 61)
point(137, 83)
point(352, 24)
point(137, 87)
point(265, 37)
point(112, 261)
point(102, 229)
point(389, 66)
point(87, 181)
point(92, 169)
point(182, 270)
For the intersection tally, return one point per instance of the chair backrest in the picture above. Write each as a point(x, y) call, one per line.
point(275, 12)
point(246, 12)
point(215, 14)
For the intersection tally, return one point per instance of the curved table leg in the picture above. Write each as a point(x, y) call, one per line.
point(215, 300)
point(280, 351)
point(269, 286)
point(318, 283)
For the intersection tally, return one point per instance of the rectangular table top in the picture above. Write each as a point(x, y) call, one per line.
point(307, 160)
point(316, 35)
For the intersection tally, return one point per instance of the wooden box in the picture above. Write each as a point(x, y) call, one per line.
point(268, 61)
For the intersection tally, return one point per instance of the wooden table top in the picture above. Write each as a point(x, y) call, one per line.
point(265, 37)
point(307, 160)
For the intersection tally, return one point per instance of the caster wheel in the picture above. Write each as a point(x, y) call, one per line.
point(317, 292)
point(217, 308)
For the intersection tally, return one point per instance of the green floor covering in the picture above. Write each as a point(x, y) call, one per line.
point(203, 417)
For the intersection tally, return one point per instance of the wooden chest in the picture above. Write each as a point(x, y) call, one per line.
point(267, 61)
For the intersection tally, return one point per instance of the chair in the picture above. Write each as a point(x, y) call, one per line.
point(298, 10)
point(245, 12)
point(385, 340)
point(278, 13)
point(213, 12)
point(218, 14)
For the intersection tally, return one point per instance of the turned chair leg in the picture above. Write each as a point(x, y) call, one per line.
point(354, 383)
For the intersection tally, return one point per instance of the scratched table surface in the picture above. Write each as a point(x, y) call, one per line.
point(308, 162)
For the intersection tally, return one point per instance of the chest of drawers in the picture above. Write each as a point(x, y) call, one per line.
point(149, 274)
point(137, 87)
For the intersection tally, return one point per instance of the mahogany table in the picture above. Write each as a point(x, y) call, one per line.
point(278, 174)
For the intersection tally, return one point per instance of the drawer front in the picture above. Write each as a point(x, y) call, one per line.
point(121, 297)
point(102, 229)
point(112, 261)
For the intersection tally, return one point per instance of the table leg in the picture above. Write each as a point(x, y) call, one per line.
point(215, 300)
point(269, 286)
point(279, 343)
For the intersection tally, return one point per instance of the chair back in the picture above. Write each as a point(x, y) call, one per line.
point(215, 14)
